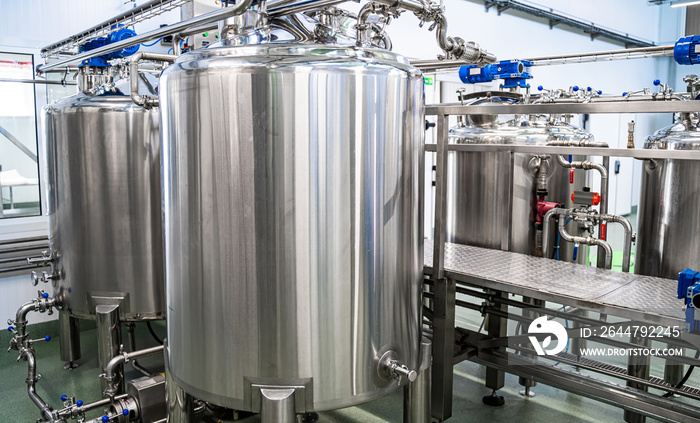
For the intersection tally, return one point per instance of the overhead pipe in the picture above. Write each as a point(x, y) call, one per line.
point(454, 48)
point(210, 17)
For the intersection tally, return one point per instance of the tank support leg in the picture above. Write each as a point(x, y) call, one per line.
point(277, 405)
point(109, 337)
point(69, 339)
point(180, 403)
point(416, 395)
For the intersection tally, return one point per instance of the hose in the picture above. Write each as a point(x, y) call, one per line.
point(153, 333)
point(685, 377)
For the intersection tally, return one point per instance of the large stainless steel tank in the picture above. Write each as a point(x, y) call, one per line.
point(668, 221)
point(292, 219)
point(103, 161)
point(484, 199)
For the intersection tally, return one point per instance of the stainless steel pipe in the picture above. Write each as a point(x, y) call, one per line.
point(113, 370)
point(144, 101)
point(210, 17)
point(46, 410)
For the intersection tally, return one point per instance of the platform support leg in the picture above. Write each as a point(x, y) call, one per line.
point(443, 349)
point(638, 366)
point(497, 327)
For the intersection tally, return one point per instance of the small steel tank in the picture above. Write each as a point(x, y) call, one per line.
point(668, 220)
point(103, 163)
point(294, 254)
point(489, 207)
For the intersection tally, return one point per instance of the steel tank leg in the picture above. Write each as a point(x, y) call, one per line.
point(277, 405)
point(180, 403)
point(109, 340)
point(69, 339)
point(527, 382)
point(416, 395)
point(638, 366)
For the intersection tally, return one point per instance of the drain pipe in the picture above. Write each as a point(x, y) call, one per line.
point(563, 213)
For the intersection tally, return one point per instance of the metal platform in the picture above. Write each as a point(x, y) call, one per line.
point(640, 298)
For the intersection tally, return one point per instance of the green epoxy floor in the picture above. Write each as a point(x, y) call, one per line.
point(550, 405)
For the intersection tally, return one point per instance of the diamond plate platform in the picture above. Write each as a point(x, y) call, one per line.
point(640, 298)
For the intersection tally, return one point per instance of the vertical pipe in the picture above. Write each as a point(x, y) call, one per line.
point(180, 403)
point(277, 405)
point(416, 395)
point(69, 339)
point(109, 341)
point(604, 183)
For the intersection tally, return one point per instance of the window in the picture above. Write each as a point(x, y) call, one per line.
point(19, 168)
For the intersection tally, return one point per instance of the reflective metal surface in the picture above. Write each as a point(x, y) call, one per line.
point(103, 161)
point(667, 240)
point(292, 221)
point(490, 206)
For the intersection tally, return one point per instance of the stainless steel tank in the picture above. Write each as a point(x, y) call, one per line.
point(489, 207)
point(668, 220)
point(103, 162)
point(292, 219)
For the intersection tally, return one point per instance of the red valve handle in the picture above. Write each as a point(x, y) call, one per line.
point(571, 176)
point(603, 230)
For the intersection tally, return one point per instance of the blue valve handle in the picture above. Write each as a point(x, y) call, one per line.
point(64, 397)
point(105, 419)
point(79, 403)
point(575, 251)
point(125, 412)
point(540, 88)
point(575, 88)
point(47, 338)
point(10, 329)
point(45, 295)
point(657, 82)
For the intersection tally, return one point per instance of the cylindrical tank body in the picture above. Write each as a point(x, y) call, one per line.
point(668, 221)
point(103, 164)
point(484, 198)
point(292, 220)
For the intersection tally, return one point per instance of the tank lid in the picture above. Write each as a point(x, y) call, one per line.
point(679, 136)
